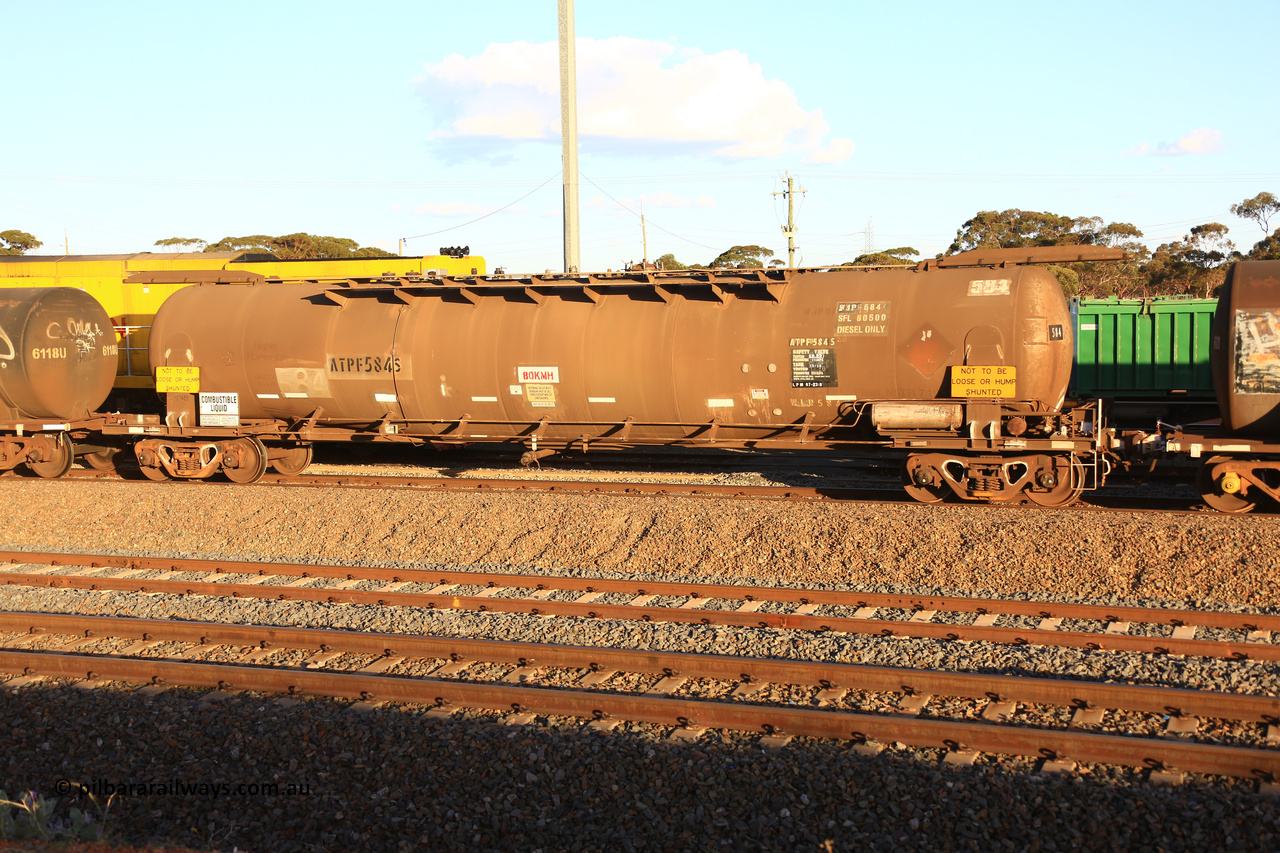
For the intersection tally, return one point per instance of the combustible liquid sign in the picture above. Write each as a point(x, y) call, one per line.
point(220, 410)
point(978, 381)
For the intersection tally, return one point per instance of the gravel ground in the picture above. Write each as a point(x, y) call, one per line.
point(399, 778)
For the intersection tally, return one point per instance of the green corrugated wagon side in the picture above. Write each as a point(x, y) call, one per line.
point(1143, 348)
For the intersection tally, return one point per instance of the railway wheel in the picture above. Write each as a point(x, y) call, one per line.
point(104, 460)
point(295, 461)
point(1069, 488)
point(58, 461)
point(922, 483)
point(149, 464)
point(250, 457)
point(1212, 492)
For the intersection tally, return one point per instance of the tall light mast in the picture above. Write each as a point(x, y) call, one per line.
point(569, 135)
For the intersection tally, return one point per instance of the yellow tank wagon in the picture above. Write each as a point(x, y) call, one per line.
point(132, 305)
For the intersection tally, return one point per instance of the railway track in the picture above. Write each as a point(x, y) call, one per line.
point(1203, 633)
point(870, 706)
point(613, 484)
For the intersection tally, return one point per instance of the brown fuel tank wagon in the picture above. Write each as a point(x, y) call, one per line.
point(1241, 463)
point(1245, 350)
point(57, 363)
point(967, 364)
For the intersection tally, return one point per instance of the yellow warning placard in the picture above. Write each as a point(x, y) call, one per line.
point(177, 380)
point(978, 381)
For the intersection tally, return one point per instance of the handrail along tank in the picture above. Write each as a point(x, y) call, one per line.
point(57, 354)
point(754, 353)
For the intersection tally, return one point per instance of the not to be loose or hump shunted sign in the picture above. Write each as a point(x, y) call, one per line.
point(971, 380)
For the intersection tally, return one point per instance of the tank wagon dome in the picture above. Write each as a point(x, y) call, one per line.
point(57, 353)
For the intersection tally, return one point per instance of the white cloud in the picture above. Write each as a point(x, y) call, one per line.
point(1204, 140)
point(646, 96)
point(837, 152)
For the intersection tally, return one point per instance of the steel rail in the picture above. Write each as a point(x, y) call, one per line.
point(877, 679)
point(750, 619)
point(755, 619)
point(626, 488)
point(634, 488)
point(857, 726)
point(745, 592)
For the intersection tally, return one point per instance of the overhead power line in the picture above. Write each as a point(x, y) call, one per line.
point(637, 215)
point(490, 213)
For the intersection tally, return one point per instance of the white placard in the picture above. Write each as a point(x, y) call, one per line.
point(219, 409)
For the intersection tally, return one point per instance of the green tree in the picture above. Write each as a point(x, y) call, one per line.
point(1268, 249)
point(1193, 264)
point(256, 242)
point(1068, 279)
point(1013, 229)
point(900, 255)
point(1111, 278)
point(1021, 229)
point(669, 262)
point(298, 246)
point(742, 257)
point(1260, 209)
point(180, 244)
point(303, 245)
point(14, 242)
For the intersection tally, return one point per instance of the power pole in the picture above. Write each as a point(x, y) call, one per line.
point(790, 228)
point(569, 135)
point(869, 243)
point(644, 235)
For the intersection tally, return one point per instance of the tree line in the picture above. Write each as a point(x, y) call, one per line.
point(14, 242)
point(1195, 265)
point(298, 246)
point(289, 247)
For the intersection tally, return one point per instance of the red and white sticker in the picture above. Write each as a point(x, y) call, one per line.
point(538, 374)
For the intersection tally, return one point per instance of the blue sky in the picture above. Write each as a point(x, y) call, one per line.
point(131, 122)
